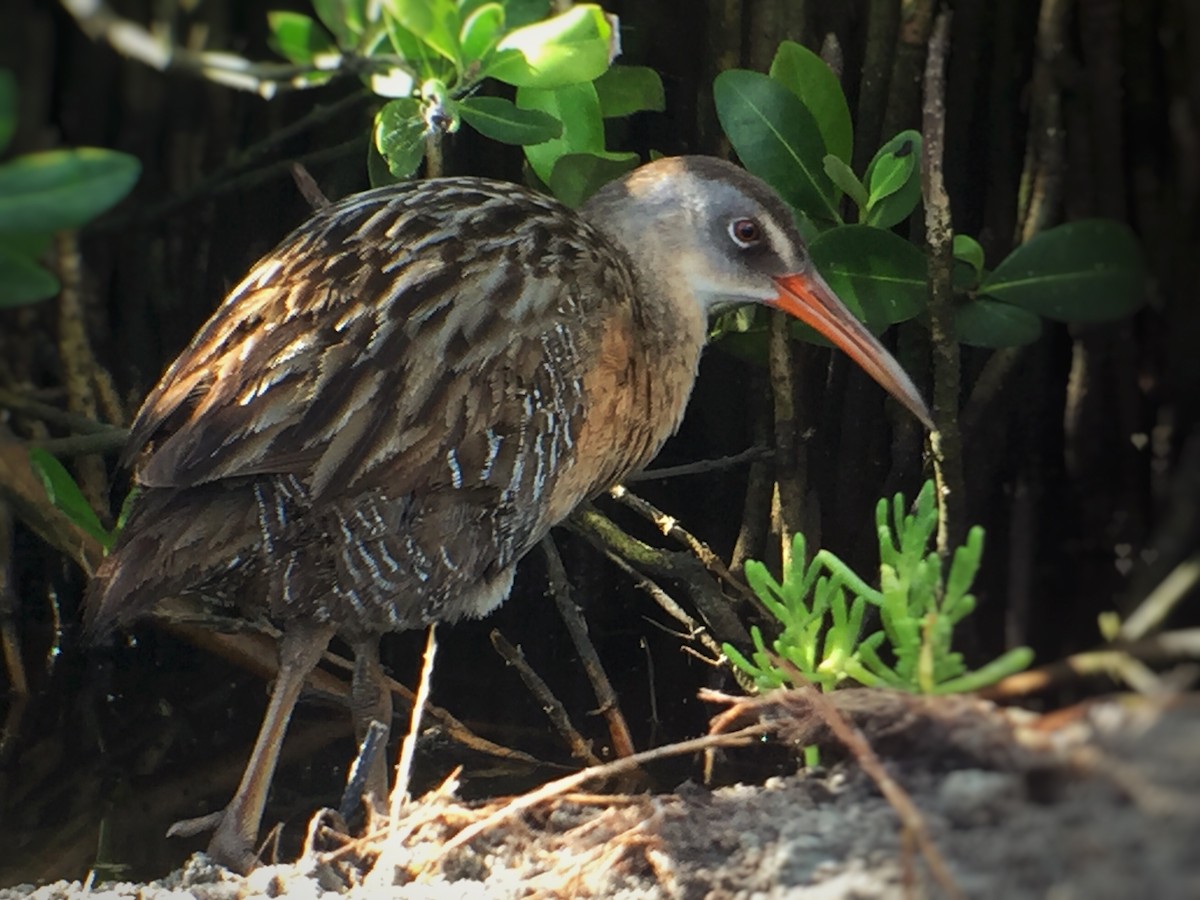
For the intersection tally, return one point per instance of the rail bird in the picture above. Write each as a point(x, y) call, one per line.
point(399, 400)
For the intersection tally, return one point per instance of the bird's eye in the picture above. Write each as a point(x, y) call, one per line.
point(745, 232)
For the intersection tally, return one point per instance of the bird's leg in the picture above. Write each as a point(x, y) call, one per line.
point(300, 650)
point(371, 701)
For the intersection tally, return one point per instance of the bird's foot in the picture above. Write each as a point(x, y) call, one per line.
point(228, 847)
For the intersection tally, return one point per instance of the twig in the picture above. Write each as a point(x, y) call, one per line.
point(988, 386)
point(946, 441)
point(1153, 611)
point(224, 181)
point(14, 667)
point(570, 782)
point(903, 106)
point(1041, 186)
point(606, 697)
point(308, 187)
point(554, 709)
point(671, 528)
point(883, 20)
point(50, 414)
point(1108, 660)
point(85, 444)
point(702, 467)
point(760, 485)
point(790, 457)
point(693, 629)
point(409, 744)
point(713, 605)
point(130, 39)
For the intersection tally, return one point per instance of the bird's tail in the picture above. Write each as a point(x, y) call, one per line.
point(174, 541)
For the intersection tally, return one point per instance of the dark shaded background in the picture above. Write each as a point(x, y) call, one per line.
point(1085, 467)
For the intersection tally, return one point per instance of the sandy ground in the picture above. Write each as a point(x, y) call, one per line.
point(1103, 803)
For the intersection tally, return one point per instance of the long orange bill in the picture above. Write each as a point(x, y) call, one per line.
point(807, 297)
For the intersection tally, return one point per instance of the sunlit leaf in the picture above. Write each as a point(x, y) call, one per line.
point(578, 108)
point(400, 135)
point(625, 90)
point(435, 22)
point(1092, 270)
point(481, 30)
point(298, 37)
point(776, 138)
point(501, 120)
point(577, 176)
point(807, 76)
point(58, 189)
point(893, 181)
point(345, 19)
point(569, 48)
point(65, 494)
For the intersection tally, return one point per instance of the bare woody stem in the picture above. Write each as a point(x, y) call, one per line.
point(947, 439)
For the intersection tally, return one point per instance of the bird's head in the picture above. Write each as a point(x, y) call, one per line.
point(723, 237)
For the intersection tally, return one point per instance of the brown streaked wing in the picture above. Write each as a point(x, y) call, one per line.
point(399, 335)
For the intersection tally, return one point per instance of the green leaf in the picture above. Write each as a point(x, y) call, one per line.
point(298, 37)
point(846, 181)
point(400, 135)
point(345, 19)
point(981, 322)
point(480, 31)
point(873, 270)
point(808, 77)
point(576, 176)
point(501, 120)
point(1092, 270)
point(893, 181)
point(522, 12)
point(970, 251)
point(777, 139)
point(567, 49)
point(58, 189)
point(65, 494)
point(407, 45)
point(435, 22)
point(8, 107)
point(22, 280)
point(625, 90)
point(578, 108)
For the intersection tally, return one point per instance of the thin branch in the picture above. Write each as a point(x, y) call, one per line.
point(671, 528)
point(791, 460)
point(606, 697)
point(713, 605)
point(1040, 192)
point(51, 414)
point(132, 40)
point(1159, 603)
point(555, 711)
point(946, 441)
point(1110, 660)
point(702, 467)
point(408, 746)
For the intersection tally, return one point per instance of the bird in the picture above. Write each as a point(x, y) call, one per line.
point(402, 398)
